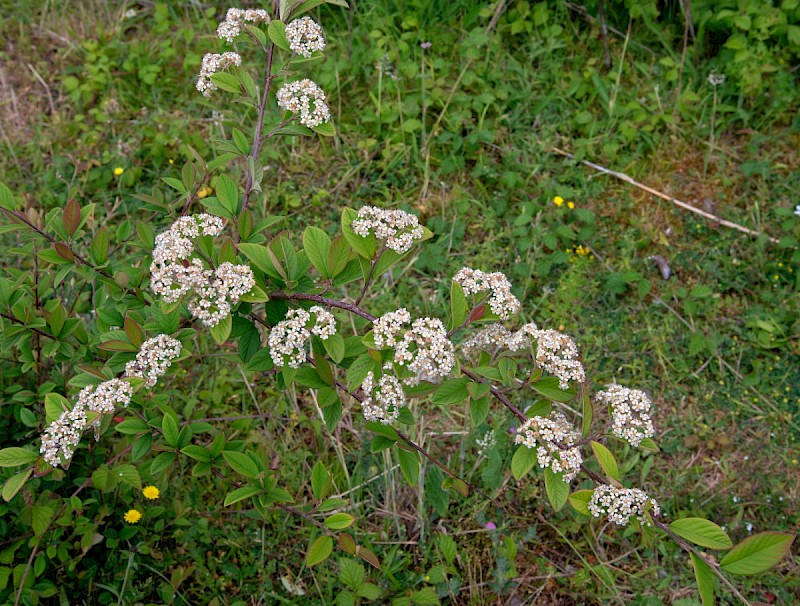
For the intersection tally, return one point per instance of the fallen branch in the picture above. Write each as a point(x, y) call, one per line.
point(676, 202)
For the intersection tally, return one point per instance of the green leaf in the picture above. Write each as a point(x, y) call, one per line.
point(409, 466)
point(335, 347)
point(319, 550)
point(317, 243)
point(458, 306)
point(524, 458)
point(452, 391)
point(701, 532)
point(326, 129)
point(7, 198)
point(557, 489)
point(228, 193)
point(14, 483)
point(548, 387)
point(169, 427)
point(15, 456)
point(128, 474)
point(425, 597)
point(162, 462)
point(54, 405)
point(478, 411)
point(260, 257)
point(222, 331)
point(369, 591)
point(132, 426)
point(71, 216)
point(240, 494)
point(606, 460)
point(588, 412)
point(320, 481)
point(580, 501)
point(40, 518)
point(758, 553)
point(241, 463)
point(227, 82)
point(351, 573)
point(277, 33)
point(365, 247)
point(705, 580)
point(339, 521)
point(198, 453)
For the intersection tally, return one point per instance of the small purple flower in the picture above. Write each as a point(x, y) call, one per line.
point(426, 45)
point(490, 526)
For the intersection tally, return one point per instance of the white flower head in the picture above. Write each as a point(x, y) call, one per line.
point(558, 355)
point(501, 301)
point(620, 504)
point(153, 359)
point(235, 19)
point(382, 401)
point(715, 78)
point(388, 327)
point(213, 63)
point(305, 36)
point(62, 435)
point(555, 440)
point(630, 413)
point(304, 97)
point(426, 351)
point(495, 337)
point(287, 339)
point(397, 228)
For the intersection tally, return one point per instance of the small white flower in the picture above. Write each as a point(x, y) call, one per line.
point(797, 210)
point(153, 359)
point(304, 97)
point(213, 63)
point(630, 413)
point(305, 36)
point(235, 20)
point(555, 441)
point(397, 228)
point(558, 355)
point(619, 504)
point(382, 402)
point(426, 350)
point(501, 301)
point(716, 79)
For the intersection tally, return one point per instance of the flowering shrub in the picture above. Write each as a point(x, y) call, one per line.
point(255, 286)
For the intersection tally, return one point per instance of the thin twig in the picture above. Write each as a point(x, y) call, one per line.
point(676, 202)
point(298, 296)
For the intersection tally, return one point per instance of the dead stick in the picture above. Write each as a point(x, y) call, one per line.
point(676, 202)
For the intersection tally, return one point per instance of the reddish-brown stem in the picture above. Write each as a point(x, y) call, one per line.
point(39, 332)
point(299, 296)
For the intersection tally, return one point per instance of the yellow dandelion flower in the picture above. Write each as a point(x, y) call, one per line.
point(204, 192)
point(171, 161)
point(570, 205)
point(118, 171)
point(558, 201)
point(132, 516)
point(151, 492)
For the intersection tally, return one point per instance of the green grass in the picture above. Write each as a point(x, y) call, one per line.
point(467, 146)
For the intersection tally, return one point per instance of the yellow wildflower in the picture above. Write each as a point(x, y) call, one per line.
point(132, 516)
point(204, 192)
point(558, 200)
point(570, 205)
point(151, 492)
point(118, 171)
point(582, 250)
point(171, 161)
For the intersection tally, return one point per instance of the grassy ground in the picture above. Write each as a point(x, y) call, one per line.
point(463, 134)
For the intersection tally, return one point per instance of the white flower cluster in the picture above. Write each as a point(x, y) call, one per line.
point(306, 98)
point(501, 301)
point(62, 435)
point(630, 413)
point(153, 359)
point(382, 402)
point(388, 326)
point(715, 78)
point(619, 504)
point(558, 355)
point(235, 20)
point(288, 338)
point(554, 439)
point(213, 63)
point(485, 443)
point(427, 351)
point(496, 336)
point(172, 275)
point(305, 36)
point(397, 228)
